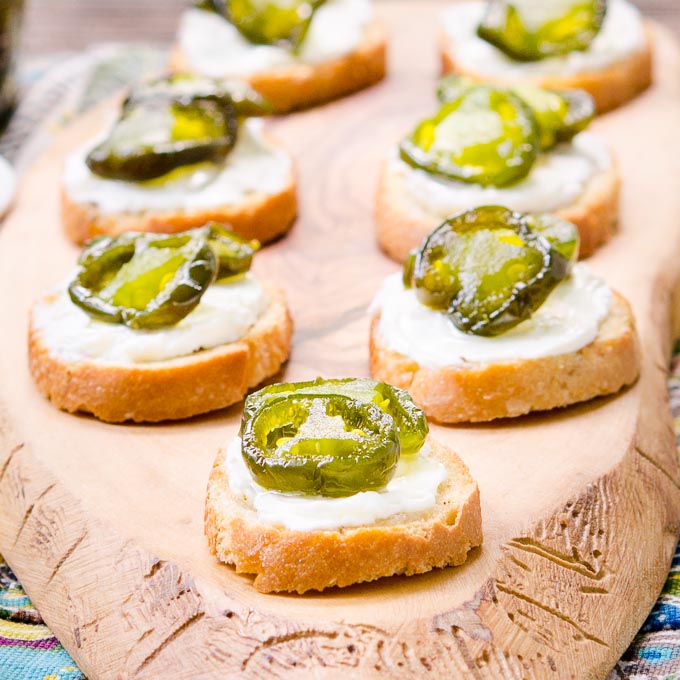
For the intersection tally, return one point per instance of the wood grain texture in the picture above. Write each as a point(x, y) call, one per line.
point(103, 524)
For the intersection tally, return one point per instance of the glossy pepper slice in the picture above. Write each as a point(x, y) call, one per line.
point(234, 254)
point(559, 114)
point(527, 30)
point(561, 234)
point(330, 445)
point(487, 269)
point(157, 135)
point(283, 23)
point(246, 101)
point(409, 419)
point(486, 136)
point(143, 281)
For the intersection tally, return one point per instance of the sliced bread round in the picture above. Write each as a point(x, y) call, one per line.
point(297, 561)
point(300, 86)
point(165, 390)
point(485, 391)
point(402, 224)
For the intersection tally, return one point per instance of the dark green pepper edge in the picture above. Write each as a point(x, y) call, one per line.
point(383, 443)
point(416, 157)
point(520, 306)
point(167, 157)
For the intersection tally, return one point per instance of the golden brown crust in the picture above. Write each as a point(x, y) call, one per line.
point(260, 216)
point(481, 392)
point(610, 86)
point(402, 224)
point(303, 85)
point(166, 390)
point(297, 561)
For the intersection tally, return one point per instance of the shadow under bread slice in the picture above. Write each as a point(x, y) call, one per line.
point(504, 43)
point(537, 158)
point(158, 327)
point(494, 320)
point(335, 482)
point(183, 151)
point(318, 52)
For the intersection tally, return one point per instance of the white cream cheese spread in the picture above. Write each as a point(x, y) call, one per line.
point(621, 35)
point(254, 166)
point(566, 322)
point(225, 314)
point(214, 47)
point(413, 489)
point(557, 179)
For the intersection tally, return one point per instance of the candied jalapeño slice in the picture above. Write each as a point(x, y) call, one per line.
point(485, 136)
point(234, 254)
point(488, 270)
point(409, 419)
point(155, 136)
point(283, 23)
point(527, 30)
point(182, 86)
point(559, 114)
point(143, 281)
point(330, 444)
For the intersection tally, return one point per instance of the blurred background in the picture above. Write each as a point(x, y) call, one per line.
point(53, 25)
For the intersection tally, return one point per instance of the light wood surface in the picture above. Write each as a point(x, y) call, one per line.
point(103, 524)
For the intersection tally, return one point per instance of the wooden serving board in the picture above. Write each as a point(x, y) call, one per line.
point(103, 523)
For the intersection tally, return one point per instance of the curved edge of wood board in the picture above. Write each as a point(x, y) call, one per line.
point(144, 617)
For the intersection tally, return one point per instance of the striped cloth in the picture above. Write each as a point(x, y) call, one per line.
point(70, 84)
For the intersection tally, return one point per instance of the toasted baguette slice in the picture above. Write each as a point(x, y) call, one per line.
point(260, 216)
point(166, 390)
point(402, 224)
point(300, 86)
point(298, 561)
point(486, 391)
point(610, 86)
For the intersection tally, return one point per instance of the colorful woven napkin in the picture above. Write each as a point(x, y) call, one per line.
point(70, 84)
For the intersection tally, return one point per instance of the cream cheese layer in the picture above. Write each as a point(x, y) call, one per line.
point(413, 489)
point(225, 314)
point(214, 47)
point(557, 179)
point(254, 166)
point(621, 36)
point(566, 322)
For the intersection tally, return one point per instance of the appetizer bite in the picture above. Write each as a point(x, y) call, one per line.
point(334, 482)
point(184, 151)
point(601, 46)
point(493, 318)
point(524, 148)
point(297, 53)
point(158, 327)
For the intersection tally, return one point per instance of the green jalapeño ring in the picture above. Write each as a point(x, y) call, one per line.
point(328, 445)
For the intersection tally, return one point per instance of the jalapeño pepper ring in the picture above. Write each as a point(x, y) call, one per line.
point(143, 281)
point(505, 27)
point(486, 136)
point(409, 419)
point(329, 445)
point(487, 269)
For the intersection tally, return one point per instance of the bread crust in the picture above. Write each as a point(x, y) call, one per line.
point(298, 561)
point(300, 86)
point(486, 391)
point(261, 216)
point(610, 86)
point(402, 224)
point(166, 390)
